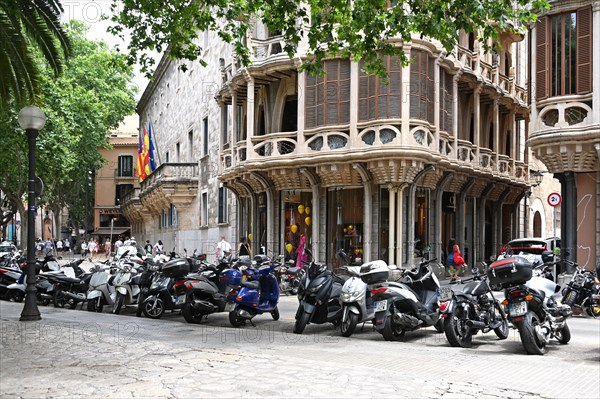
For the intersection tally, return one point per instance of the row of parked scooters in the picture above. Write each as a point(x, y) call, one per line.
point(248, 287)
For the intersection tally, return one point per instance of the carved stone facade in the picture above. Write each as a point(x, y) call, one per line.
point(565, 118)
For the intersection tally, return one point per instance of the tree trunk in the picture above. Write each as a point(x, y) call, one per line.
point(16, 199)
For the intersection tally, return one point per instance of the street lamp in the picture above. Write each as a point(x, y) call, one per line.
point(31, 119)
point(538, 176)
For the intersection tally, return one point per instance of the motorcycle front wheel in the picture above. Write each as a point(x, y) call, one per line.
point(347, 327)
point(501, 331)
point(275, 313)
point(457, 332)
point(119, 300)
point(527, 330)
point(301, 323)
point(564, 335)
point(153, 309)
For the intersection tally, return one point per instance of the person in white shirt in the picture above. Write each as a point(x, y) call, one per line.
point(59, 245)
point(223, 248)
point(84, 248)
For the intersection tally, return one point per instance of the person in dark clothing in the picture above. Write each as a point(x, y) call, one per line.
point(243, 248)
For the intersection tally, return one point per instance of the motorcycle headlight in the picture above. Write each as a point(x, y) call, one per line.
point(313, 290)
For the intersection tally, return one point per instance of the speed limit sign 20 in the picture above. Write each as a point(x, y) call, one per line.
point(554, 199)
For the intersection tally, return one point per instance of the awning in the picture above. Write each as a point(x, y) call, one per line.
point(105, 231)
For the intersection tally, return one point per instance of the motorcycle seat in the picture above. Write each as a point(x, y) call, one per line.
point(68, 279)
point(253, 284)
point(293, 270)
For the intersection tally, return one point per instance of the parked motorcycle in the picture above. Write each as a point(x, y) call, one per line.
point(318, 296)
point(149, 269)
point(100, 291)
point(247, 299)
point(471, 310)
point(44, 289)
point(69, 291)
point(289, 277)
point(409, 304)
point(583, 291)
point(8, 276)
point(204, 292)
point(126, 285)
point(355, 298)
point(530, 303)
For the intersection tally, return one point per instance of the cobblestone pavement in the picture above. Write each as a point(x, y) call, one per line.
point(76, 354)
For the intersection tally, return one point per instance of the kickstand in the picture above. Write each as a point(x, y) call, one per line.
point(251, 322)
point(363, 327)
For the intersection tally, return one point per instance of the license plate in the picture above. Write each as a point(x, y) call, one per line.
point(229, 307)
point(517, 308)
point(380, 306)
point(445, 294)
point(179, 299)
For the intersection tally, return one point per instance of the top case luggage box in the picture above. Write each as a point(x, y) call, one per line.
point(374, 272)
point(176, 268)
point(511, 271)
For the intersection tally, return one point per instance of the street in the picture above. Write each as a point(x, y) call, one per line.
point(75, 353)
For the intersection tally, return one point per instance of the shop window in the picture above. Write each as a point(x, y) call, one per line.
point(298, 219)
point(345, 213)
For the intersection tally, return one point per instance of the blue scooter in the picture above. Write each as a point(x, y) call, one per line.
point(248, 298)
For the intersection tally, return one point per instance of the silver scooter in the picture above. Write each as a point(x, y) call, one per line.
point(100, 290)
point(355, 299)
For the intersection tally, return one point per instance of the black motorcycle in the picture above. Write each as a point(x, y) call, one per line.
point(149, 269)
point(530, 302)
point(471, 310)
point(69, 291)
point(318, 297)
point(583, 291)
point(203, 292)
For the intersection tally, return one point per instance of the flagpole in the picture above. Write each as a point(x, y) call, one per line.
point(153, 142)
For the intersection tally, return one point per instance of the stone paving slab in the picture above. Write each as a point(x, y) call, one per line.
point(76, 354)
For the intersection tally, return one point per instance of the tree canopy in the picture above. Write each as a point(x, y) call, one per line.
point(360, 29)
point(26, 25)
point(92, 96)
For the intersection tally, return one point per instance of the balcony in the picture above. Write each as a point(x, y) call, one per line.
point(564, 134)
point(170, 183)
point(374, 140)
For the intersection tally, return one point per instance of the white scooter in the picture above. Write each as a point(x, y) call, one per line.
point(355, 299)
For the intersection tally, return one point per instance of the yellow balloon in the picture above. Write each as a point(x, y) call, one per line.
point(301, 209)
point(294, 228)
point(307, 210)
point(345, 230)
point(250, 236)
point(350, 227)
point(289, 247)
point(307, 220)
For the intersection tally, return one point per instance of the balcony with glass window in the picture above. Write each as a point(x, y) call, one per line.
point(170, 183)
point(565, 130)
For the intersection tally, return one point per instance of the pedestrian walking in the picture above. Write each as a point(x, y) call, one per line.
point(107, 247)
point(84, 248)
point(158, 247)
point(59, 245)
point(243, 248)
point(67, 245)
point(223, 249)
point(49, 247)
point(148, 247)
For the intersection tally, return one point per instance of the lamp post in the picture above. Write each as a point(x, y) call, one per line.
point(32, 119)
point(538, 176)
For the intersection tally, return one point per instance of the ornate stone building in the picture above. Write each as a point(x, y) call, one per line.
point(345, 161)
point(565, 118)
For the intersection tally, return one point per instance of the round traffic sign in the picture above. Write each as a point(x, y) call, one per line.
point(554, 199)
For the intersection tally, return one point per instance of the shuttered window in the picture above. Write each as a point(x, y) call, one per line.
point(446, 101)
point(421, 86)
point(378, 100)
point(564, 54)
point(328, 97)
